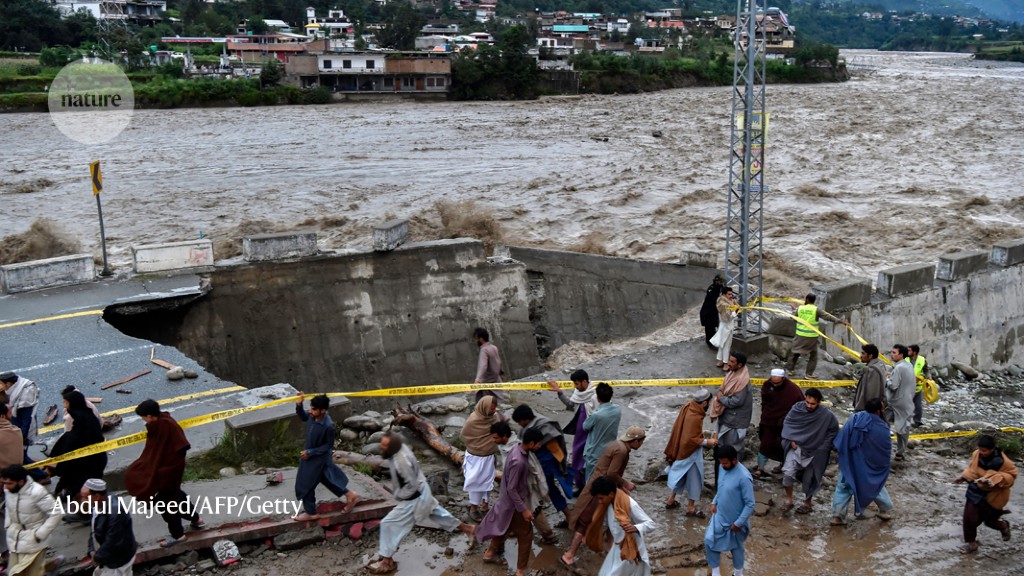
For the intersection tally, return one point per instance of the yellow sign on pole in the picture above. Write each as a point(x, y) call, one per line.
point(96, 177)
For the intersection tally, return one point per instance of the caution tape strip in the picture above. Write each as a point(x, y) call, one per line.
point(51, 318)
point(167, 402)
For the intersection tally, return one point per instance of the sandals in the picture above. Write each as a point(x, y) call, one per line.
point(696, 513)
point(1006, 531)
point(562, 561)
point(51, 415)
point(382, 567)
point(303, 517)
point(550, 539)
point(787, 507)
point(169, 541)
point(804, 509)
point(969, 548)
point(476, 516)
point(837, 521)
point(197, 524)
point(351, 503)
point(496, 559)
point(672, 505)
point(760, 474)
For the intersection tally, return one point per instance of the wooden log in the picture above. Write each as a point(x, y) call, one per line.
point(352, 458)
point(426, 430)
point(162, 363)
point(128, 379)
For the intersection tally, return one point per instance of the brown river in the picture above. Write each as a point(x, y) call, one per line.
point(917, 155)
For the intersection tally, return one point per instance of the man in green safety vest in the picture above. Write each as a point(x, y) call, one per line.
point(920, 371)
point(806, 339)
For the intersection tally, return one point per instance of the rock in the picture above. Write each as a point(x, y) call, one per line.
point(189, 558)
point(372, 449)
point(225, 552)
point(657, 134)
point(654, 471)
point(965, 369)
point(347, 435)
point(780, 345)
point(191, 374)
point(355, 531)
point(363, 423)
point(372, 414)
point(176, 373)
point(1014, 370)
point(761, 509)
point(628, 393)
point(449, 552)
point(299, 538)
point(976, 425)
point(828, 357)
point(454, 422)
point(204, 565)
point(839, 360)
point(457, 405)
point(227, 472)
point(376, 436)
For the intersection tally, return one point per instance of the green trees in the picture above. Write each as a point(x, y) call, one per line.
point(504, 70)
point(28, 25)
point(402, 23)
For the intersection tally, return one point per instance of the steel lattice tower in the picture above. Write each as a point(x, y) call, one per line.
point(744, 255)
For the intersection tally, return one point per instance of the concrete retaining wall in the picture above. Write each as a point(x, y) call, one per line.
point(262, 247)
point(48, 273)
point(190, 255)
point(356, 321)
point(593, 298)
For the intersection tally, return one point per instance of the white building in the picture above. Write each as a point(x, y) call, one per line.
point(138, 11)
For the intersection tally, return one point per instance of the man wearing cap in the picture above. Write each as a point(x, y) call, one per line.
point(612, 463)
point(112, 542)
point(708, 311)
point(778, 395)
point(684, 454)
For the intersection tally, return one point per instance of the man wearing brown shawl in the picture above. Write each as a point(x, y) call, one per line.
point(684, 455)
point(612, 464)
point(157, 474)
point(478, 465)
point(629, 527)
point(991, 474)
point(778, 395)
point(733, 406)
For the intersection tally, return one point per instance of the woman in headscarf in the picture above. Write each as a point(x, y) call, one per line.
point(85, 431)
point(478, 465)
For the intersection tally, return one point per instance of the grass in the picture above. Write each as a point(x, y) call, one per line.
point(279, 450)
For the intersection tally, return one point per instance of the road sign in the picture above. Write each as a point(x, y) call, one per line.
point(96, 177)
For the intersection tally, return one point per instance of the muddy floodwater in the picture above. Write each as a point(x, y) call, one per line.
point(917, 155)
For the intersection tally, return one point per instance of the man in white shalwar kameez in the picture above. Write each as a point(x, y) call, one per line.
point(617, 561)
point(414, 505)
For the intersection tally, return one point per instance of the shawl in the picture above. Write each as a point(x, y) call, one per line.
point(1002, 477)
point(587, 397)
point(777, 400)
point(863, 445)
point(724, 306)
point(687, 433)
point(733, 383)
point(476, 433)
point(810, 430)
point(595, 532)
point(162, 462)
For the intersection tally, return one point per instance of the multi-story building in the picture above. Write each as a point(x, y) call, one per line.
point(145, 12)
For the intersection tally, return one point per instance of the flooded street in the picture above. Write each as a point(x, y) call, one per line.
point(916, 156)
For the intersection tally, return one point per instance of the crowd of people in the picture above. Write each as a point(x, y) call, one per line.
point(585, 482)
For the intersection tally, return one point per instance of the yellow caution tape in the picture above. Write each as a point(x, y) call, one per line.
point(960, 433)
point(167, 402)
point(51, 318)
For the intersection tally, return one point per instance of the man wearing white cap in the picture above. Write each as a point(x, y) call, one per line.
point(112, 542)
point(778, 395)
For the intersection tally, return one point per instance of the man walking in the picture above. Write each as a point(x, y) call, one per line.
point(729, 525)
point(991, 474)
point(478, 468)
point(22, 399)
point(708, 312)
point(511, 513)
point(488, 364)
point(584, 402)
point(30, 519)
point(920, 365)
point(12, 445)
point(805, 342)
point(158, 472)
point(627, 524)
point(612, 464)
point(899, 398)
point(733, 406)
point(871, 385)
point(316, 463)
point(601, 427)
point(112, 544)
point(685, 454)
point(536, 483)
point(414, 505)
point(863, 448)
point(807, 436)
point(778, 395)
point(551, 455)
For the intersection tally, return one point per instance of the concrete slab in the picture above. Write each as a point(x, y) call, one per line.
point(1008, 253)
point(905, 279)
point(262, 247)
point(751, 345)
point(173, 256)
point(238, 509)
point(260, 425)
point(696, 258)
point(390, 235)
point(961, 264)
point(47, 273)
point(843, 294)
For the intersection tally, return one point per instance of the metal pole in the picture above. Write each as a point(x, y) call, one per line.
point(103, 238)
